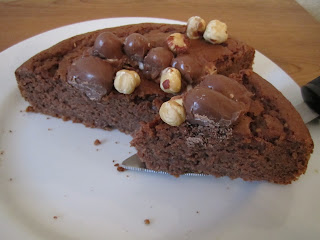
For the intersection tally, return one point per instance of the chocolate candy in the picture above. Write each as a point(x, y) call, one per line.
point(108, 45)
point(189, 68)
point(156, 60)
point(136, 46)
point(228, 87)
point(217, 100)
point(91, 75)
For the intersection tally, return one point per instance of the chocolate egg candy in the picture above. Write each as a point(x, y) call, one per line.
point(136, 46)
point(189, 68)
point(228, 87)
point(156, 60)
point(92, 76)
point(207, 107)
point(108, 45)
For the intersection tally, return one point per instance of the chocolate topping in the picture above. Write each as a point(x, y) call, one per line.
point(206, 107)
point(156, 60)
point(108, 45)
point(217, 100)
point(189, 67)
point(91, 75)
point(228, 87)
point(136, 46)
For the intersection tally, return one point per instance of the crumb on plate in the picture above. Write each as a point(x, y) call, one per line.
point(147, 221)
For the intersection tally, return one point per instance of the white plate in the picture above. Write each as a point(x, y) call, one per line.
point(52, 168)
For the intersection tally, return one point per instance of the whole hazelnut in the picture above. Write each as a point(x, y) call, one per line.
point(170, 80)
point(126, 81)
point(216, 32)
point(195, 27)
point(173, 112)
point(178, 43)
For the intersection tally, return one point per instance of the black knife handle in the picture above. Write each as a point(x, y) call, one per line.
point(311, 94)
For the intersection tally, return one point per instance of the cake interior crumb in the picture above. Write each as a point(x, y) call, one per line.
point(55, 217)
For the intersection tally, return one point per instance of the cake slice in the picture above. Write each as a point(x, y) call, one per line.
point(74, 79)
point(240, 127)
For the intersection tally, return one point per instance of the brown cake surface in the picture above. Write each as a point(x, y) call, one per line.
point(260, 137)
point(45, 82)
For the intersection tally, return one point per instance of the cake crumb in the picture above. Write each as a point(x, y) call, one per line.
point(97, 149)
point(1, 152)
point(113, 160)
point(10, 131)
point(197, 212)
point(116, 142)
point(10, 179)
point(127, 175)
point(49, 129)
point(48, 118)
point(30, 109)
point(316, 171)
point(97, 142)
point(121, 169)
point(147, 221)
point(116, 165)
point(55, 217)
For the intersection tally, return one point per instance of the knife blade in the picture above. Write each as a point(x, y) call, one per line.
point(308, 110)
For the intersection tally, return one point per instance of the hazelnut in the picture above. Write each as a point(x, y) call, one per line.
point(216, 32)
point(195, 27)
point(126, 81)
point(172, 112)
point(170, 80)
point(178, 43)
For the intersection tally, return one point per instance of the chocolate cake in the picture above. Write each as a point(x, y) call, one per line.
point(74, 79)
point(241, 127)
point(172, 79)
